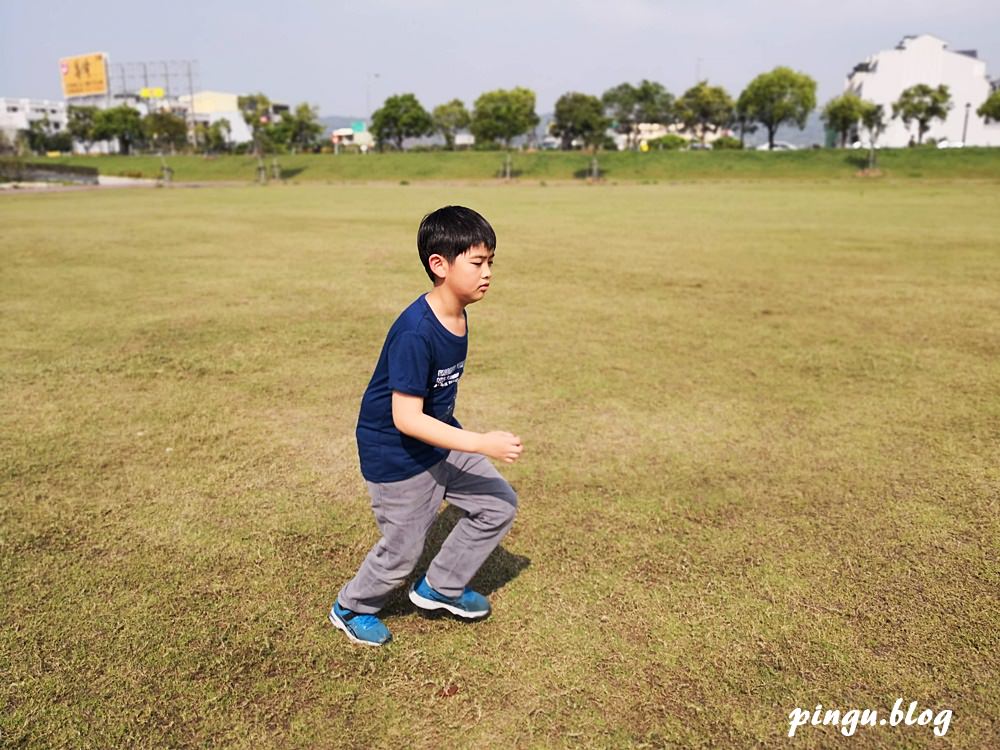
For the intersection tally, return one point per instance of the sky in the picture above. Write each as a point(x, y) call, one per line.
point(347, 57)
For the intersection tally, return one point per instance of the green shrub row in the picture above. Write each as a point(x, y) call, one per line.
point(721, 163)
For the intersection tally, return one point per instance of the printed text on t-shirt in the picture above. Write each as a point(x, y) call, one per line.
point(449, 375)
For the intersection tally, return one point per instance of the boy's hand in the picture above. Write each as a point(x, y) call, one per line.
point(409, 419)
point(503, 446)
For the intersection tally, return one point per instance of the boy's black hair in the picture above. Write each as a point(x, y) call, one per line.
point(451, 231)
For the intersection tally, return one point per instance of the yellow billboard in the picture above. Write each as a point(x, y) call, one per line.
point(84, 75)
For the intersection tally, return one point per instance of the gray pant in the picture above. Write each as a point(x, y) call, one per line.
point(405, 511)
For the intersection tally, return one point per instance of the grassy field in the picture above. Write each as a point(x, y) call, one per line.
point(761, 471)
point(981, 163)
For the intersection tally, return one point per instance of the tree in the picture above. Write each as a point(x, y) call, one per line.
point(620, 103)
point(123, 123)
point(218, 134)
point(703, 108)
point(164, 130)
point(872, 120)
point(990, 109)
point(400, 117)
point(629, 105)
point(215, 136)
point(60, 141)
point(579, 116)
point(448, 119)
point(503, 115)
point(256, 110)
point(922, 104)
point(42, 136)
point(842, 113)
point(742, 119)
point(779, 97)
point(81, 124)
point(300, 129)
point(37, 135)
point(654, 104)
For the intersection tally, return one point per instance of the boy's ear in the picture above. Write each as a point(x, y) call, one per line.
point(438, 265)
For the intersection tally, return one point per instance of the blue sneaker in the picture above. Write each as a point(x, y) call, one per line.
point(367, 630)
point(469, 605)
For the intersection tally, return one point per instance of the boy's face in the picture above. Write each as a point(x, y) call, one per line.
point(468, 277)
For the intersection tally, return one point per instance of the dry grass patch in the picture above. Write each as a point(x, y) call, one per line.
point(761, 471)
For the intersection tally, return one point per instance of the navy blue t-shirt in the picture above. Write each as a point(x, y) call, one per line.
point(420, 357)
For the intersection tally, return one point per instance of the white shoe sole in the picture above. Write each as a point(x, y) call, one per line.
point(354, 639)
point(431, 604)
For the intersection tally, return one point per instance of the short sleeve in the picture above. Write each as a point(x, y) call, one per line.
point(409, 364)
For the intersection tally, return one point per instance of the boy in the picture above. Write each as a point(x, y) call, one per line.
point(414, 452)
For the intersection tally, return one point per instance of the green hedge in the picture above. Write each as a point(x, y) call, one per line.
point(14, 169)
point(975, 163)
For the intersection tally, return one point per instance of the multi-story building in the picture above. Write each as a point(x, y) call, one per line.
point(926, 59)
point(18, 114)
point(204, 107)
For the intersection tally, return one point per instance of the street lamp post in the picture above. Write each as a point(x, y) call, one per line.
point(368, 94)
point(965, 126)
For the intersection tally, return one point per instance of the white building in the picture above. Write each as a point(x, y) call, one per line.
point(211, 106)
point(351, 137)
point(18, 114)
point(926, 59)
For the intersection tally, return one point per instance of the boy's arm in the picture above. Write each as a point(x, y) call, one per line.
point(409, 418)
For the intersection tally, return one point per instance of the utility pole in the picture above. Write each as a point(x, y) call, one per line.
point(192, 124)
point(107, 73)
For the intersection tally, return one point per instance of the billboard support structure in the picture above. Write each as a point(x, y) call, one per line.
point(126, 78)
point(170, 75)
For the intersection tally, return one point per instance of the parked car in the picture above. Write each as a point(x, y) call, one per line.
point(779, 146)
point(943, 143)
